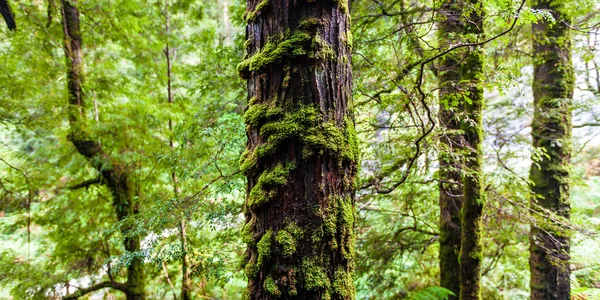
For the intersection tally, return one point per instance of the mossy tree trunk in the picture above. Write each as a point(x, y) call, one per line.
point(553, 85)
point(461, 192)
point(115, 177)
point(301, 155)
point(450, 185)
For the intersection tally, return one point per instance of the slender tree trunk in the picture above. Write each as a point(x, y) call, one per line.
point(450, 186)
point(301, 155)
point(553, 85)
point(116, 177)
point(461, 96)
point(185, 281)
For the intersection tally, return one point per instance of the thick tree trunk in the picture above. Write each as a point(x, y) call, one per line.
point(553, 85)
point(115, 177)
point(301, 155)
point(461, 97)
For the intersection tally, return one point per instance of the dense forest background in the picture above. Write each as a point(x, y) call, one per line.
point(165, 102)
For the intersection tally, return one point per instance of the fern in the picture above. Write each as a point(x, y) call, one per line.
point(432, 293)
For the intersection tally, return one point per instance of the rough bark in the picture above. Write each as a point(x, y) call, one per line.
point(115, 177)
point(461, 194)
point(553, 85)
point(301, 155)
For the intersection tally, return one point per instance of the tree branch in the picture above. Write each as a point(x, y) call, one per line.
point(86, 184)
point(106, 284)
point(586, 125)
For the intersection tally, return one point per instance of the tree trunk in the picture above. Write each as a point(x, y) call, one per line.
point(301, 155)
point(450, 186)
point(8, 15)
point(553, 85)
point(116, 176)
point(461, 97)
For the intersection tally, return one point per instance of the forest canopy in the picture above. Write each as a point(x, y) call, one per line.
point(267, 149)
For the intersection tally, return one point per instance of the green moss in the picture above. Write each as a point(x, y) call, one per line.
point(346, 223)
point(314, 275)
point(327, 137)
point(350, 40)
point(292, 125)
point(310, 23)
point(248, 160)
point(264, 247)
point(321, 49)
point(247, 232)
point(246, 294)
point(352, 140)
point(275, 50)
point(258, 113)
point(343, 5)
point(271, 286)
point(252, 268)
point(268, 183)
point(288, 238)
point(251, 15)
point(343, 284)
point(264, 253)
point(287, 77)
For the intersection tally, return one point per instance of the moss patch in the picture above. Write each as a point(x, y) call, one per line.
point(343, 284)
point(271, 286)
point(268, 185)
point(251, 15)
point(288, 238)
point(294, 44)
point(264, 253)
point(314, 275)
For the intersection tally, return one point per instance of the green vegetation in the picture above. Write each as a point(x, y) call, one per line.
point(330, 169)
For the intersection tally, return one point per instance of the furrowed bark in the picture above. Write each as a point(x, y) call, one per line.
point(115, 177)
point(301, 155)
point(461, 95)
point(553, 85)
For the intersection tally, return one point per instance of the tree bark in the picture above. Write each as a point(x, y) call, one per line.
point(553, 85)
point(461, 193)
point(115, 177)
point(301, 155)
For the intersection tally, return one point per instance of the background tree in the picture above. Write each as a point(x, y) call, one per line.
point(113, 173)
point(7, 14)
point(553, 84)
